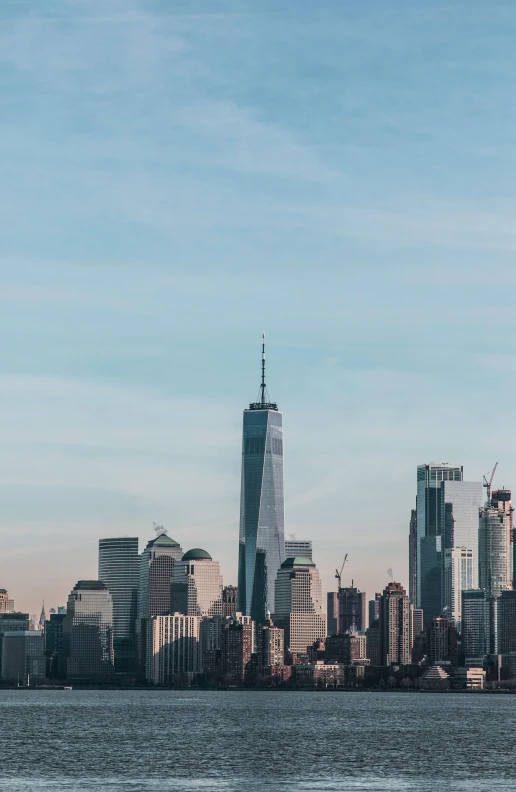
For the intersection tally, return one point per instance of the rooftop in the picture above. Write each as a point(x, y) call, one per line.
point(197, 555)
point(89, 585)
point(298, 561)
point(163, 540)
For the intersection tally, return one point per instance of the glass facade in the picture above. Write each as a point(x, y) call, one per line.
point(299, 604)
point(475, 623)
point(460, 570)
point(262, 541)
point(494, 549)
point(197, 585)
point(119, 566)
point(88, 630)
point(298, 547)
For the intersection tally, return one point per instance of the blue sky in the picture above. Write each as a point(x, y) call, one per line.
point(177, 177)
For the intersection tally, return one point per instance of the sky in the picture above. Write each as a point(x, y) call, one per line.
point(178, 177)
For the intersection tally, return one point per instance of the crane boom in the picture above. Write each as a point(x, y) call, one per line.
point(488, 484)
point(338, 573)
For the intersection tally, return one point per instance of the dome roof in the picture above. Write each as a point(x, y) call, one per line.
point(197, 555)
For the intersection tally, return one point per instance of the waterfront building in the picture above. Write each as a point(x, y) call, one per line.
point(298, 547)
point(460, 573)
point(236, 647)
point(229, 600)
point(298, 604)
point(471, 678)
point(176, 647)
point(505, 608)
point(476, 623)
point(55, 647)
point(332, 611)
point(320, 674)
point(413, 542)
point(396, 626)
point(373, 643)
point(6, 604)
point(374, 608)
point(262, 541)
point(441, 640)
point(352, 609)
point(270, 645)
point(23, 658)
point(196, 588)
point(156, 568)
point(12, 621)
point(119, 569)
point(494, 547)
point(88, 630)
point(428, 527)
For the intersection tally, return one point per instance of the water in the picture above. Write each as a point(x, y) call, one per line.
point(231, 741)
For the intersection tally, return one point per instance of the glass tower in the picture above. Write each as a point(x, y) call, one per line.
point(119, 567)
point(262, 540)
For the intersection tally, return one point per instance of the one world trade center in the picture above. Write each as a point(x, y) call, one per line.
point(262, 510)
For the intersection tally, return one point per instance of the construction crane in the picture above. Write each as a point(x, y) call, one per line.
point(338, 574)
point(488, 483)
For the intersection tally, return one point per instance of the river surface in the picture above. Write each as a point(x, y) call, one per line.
point(234, 741)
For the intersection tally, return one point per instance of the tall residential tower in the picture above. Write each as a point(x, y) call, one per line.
point(262, 540)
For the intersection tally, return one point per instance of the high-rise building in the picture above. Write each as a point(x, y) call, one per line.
point(119, 569)
point(176, 647)
point(262, 541)
point(396, 626)
point(12, 622)
point(505, 607)
point(298, 598)
point(6, 604)
point(55, 648)
point(428, 530)
point(501, 499)
point(494, 549)
point(352, 609)
point(270, 646)
point(23, 658)
point(229, 600)
point(413, 542)
point(302, 548)
point(373, 643)
point(441, 640)
point(374, 608)
point(476, 623)
point(332, 611)
point(88, 630)
point(156, 568)
point(460, 573)
point(418, 621)
point(236, 647)
point(196, 588)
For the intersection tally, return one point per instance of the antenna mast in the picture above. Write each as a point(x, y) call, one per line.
point(262, 387)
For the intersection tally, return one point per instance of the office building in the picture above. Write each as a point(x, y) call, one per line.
point(298, 547)
point(23, 657)
point(236, 647)
point(196, 588)
point(418, 621)
point(12, 622)
point(374, 608)
point(156, 568)
point(229, 600)
point(429, 522)
point(332, 611)
point(352, 609)
point(6, 604)
point(373, 643)
point(413, 542)
point(119, 569)
point(176, 648)
point(441, 640)
point(88, 630)
point(460, 573)
point(476, 623)
point(262, 541)
point(505, 607)
point(270, 646)
point(396, 625)
point(494, 548)
point(298, 604)
point(55, 646)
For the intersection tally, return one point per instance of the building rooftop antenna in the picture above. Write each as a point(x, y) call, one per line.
point(263, 402)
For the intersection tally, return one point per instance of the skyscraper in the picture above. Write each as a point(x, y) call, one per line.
point(298, 547)
point(6, 604)
point(156, 567)
point(262, 541)
point(236, 647)
point(23, 658)
point(352, 609)
point(299, 604)
point(374, 608)
point(396, 626)
point(270, 646)
point(428, 529)
point(460, 573)
point(88, 629)
point(176, 647)
point(196, 588)
point(413, 542)
point(476, 621)
point(119, 567)
point(494, 549)
point(332, 611)
point(229, 600)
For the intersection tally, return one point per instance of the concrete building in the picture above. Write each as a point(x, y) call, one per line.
point(88, 630)
point(332, 610)
point(229, 600)
point(236, 647)
point(476, 623)
point(23, 657)
point(6, 604)
point(176, 647)
point(156, 568)
point(298, 598)
point(196, 588)
point(302, 548)
point(119, 569)
point(352, 609)
point(441, 640)
point(471, 678)
point(396, 626)
point(494, 547)
point(460, 574)
point(270, 645)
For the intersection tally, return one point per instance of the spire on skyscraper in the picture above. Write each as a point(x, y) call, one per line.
point(263, 402)
point(43, 617)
